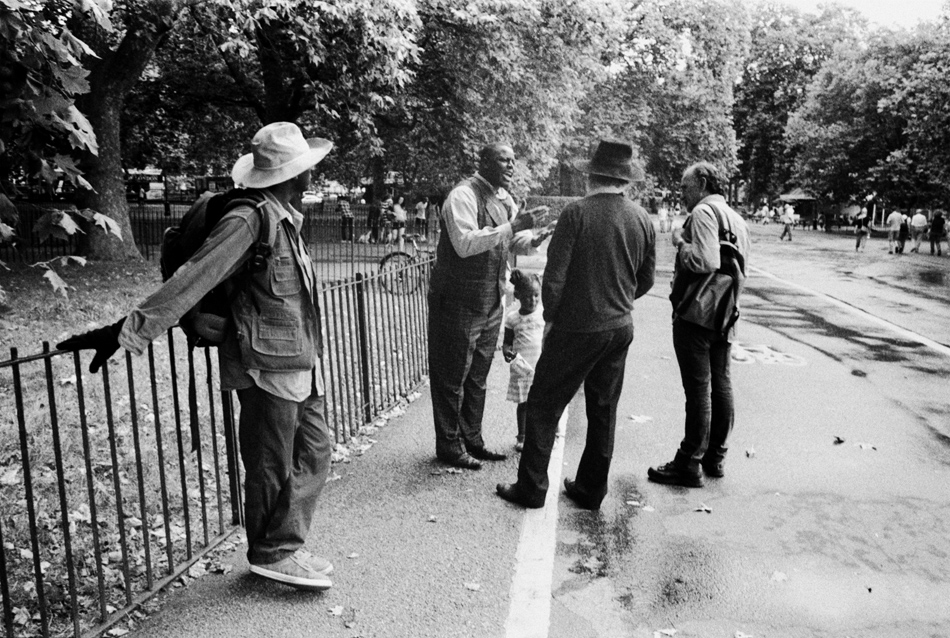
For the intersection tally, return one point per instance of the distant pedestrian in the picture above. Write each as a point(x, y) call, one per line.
point(893, 230)
point(903, 233)
point(664, 215)
point(524, 329)
point(714, 239)
point(346, 220)
point(861, 229)
point(938, 232)
point(787, 219)
point(602, 257)
point(373, 218)
point(421, 223)
point(918, 228)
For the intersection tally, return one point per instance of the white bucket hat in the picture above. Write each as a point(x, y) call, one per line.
point(278, 152)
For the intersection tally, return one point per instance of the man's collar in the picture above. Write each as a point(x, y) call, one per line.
point(607, 190)
point(285, 212)
point(711, 198)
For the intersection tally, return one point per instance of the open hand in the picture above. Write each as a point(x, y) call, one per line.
point(528, 219)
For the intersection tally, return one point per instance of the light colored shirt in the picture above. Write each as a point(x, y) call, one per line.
point(421, 210)
point(919, 221)
point(221, 256)
point(460, 213)
point(894, 220)
point(701, 253)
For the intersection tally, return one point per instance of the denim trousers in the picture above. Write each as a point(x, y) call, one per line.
point(286, 448)
point(568, 360)
point(462, 344)
point(703, 357)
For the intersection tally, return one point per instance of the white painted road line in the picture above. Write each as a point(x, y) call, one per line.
point(884, 323)
point(529, 613)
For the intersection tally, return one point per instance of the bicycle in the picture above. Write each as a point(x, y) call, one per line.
point(400, 273)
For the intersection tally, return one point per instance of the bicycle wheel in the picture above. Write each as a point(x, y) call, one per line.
point(398, 274)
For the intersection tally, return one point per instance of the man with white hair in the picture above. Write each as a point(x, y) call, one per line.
point(270, 352)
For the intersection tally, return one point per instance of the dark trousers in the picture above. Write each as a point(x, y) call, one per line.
point(346, 228)
point(786, 231)
point(569, 359)
point(286, 449)
point(703, 357)
point(462, 344)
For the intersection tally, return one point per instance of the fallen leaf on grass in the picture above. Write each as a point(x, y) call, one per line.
point(664, 632)
point(750, 452)
point(353, 555)
point(634, 503)
point(703, 508)
point(838, 440)
point(336, 611)
point(453, 470)
point(779, 576)
point(866, 446)
point(432, 518)
point(648, 508)
point(68, 380)
point(741, 634)
point(473, 586)
point(333, 476)
point(435, 473)
point(640, 418)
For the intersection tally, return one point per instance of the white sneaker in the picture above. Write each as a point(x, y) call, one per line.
point(317, 563)
point(296, 572)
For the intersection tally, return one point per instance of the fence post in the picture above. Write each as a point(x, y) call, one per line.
point(364, 346)
point(231, 451)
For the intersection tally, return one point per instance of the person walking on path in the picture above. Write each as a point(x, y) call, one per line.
point(893, 230)
point(938, 232)
point(601, 258)
point(480, 227)
point(861, 230)
point(521, 345)
point(284, 440)
point(373, 217)
point(903, 233)
point(787, 221)
point(918, 228)
point(703, 353)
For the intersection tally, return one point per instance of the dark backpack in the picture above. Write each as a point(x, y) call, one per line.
point(207, 322)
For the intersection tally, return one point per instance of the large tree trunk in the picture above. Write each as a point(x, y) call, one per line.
point(111, 79)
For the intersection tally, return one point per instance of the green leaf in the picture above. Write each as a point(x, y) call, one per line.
point(59, 286)
point(66, 222)
point(108, 224)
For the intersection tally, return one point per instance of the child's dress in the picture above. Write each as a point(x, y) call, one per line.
point(529, 331)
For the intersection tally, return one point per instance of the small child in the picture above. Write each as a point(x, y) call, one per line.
point(524, 330)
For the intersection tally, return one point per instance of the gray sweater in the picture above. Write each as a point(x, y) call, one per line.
point(602, 256)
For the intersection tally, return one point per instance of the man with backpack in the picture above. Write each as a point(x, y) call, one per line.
point(270, 344)
point(712, 250)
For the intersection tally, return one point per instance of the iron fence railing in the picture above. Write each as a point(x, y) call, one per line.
point(334, 240)
point(108, 494)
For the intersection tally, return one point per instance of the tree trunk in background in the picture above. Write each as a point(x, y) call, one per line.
point(111, 78)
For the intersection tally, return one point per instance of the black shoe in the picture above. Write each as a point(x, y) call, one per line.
point(484, 454)
point(571, 492)
point(673, 474)
point(511, 493)
point(713, 469)
point(463, 460)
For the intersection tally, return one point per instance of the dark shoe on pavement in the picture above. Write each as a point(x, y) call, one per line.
point(571, 491)
point(713, 469)
point(463, 460)
point(511, 493)
point(484, 454)
point(673, 474)
point(295, 571)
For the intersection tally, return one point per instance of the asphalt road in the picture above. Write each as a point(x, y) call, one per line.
point(803, 537)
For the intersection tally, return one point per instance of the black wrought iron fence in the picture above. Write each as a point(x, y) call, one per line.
point(107, 493)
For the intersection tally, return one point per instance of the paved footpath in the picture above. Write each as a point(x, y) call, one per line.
point(801, 532)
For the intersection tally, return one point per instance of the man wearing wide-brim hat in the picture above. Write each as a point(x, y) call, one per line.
point(601, 258)
point(270, 348)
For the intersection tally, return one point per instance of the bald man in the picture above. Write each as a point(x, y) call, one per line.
point(480, 227)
